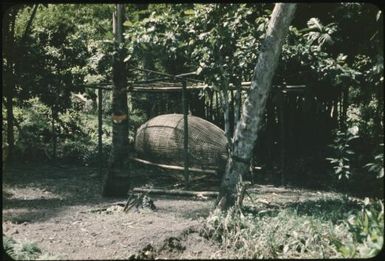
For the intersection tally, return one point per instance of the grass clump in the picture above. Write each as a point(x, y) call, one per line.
point(289, 234)
point(26, 251)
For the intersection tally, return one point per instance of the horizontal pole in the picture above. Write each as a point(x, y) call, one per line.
point(211, 171)
point(186, 74)
point(150, 80)
point(174, 192)
point(154, 88)
point(165, 74)
point(165, 89)
point(99, 87)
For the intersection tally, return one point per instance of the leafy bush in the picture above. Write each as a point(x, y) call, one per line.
point(367, 229)
point(377, 165)
point(342, 152)
point(76, 134)
point(32, 140)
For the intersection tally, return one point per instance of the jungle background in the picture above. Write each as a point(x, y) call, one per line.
point(333, 132)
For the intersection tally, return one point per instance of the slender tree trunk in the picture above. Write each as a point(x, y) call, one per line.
point(54, 136)
point(225, 106)
point(224, 97)
point(100, 129)
point(9, 76)
point(117, 182)
point(237, 105)
point(10, 132)
point(231, 113)
point(253, 109)
point(29, 24)
point(211, 105)
point(217, 114)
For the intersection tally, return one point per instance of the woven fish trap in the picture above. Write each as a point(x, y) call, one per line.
point(161, 140)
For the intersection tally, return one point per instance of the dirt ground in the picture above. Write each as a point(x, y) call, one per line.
point(60, 208)
point(53, 206)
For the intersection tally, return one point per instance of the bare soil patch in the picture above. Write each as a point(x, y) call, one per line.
point(59, 208)
point(52, 206)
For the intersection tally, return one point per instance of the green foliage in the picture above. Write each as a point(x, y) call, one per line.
point(8, 245)
point(367, 228)
point(320, 33)
point(342, 153)
point(377, 166)
point(72, 44)
point(53, 61)
point(367, 97)
point(34, 130)
point(76, 134)
point(292, 234)
point(26, 251)
point(306, 56)
point(29, 251)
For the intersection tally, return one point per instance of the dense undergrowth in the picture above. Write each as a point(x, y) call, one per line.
point(75, 131)
point(301, 232)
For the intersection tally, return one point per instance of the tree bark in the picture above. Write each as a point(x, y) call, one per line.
point(246, 132)
point(54, 136)
point(237, 105)
point(29, 24)
point(9, 74)
point(117, 182)
point(224, 97)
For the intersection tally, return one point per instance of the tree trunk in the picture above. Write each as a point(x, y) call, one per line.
point(231, 113)
point(117, 182)
point(224, 97)
point(9, 76)
point(100, 129)
point(237, 105)
point(246, 131)
point(12, 58)
point(54, 136)
point(10, 132)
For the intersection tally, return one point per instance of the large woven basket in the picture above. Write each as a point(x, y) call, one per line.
point(160, 140)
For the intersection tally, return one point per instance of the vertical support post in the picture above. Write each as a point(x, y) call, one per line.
point(283, 137)
point(117, 181)
point(217, 107)
point(185, 134)
point(231, 113)
point(53, 112)
point(100, 130)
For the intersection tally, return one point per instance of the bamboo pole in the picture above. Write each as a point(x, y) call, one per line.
point(283, 137)
point(54, 140)
point(155, 88)
point(173, 192)
point(185, 134)
point(100, 130)
point(173, 167)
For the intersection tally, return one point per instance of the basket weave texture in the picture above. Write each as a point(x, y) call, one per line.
point(160, 140)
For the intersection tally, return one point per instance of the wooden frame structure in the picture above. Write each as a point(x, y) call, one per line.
point(150, 86)
point(181, 78)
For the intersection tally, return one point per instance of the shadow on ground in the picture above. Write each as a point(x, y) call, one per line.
point(33, 188)
point(327, 206)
